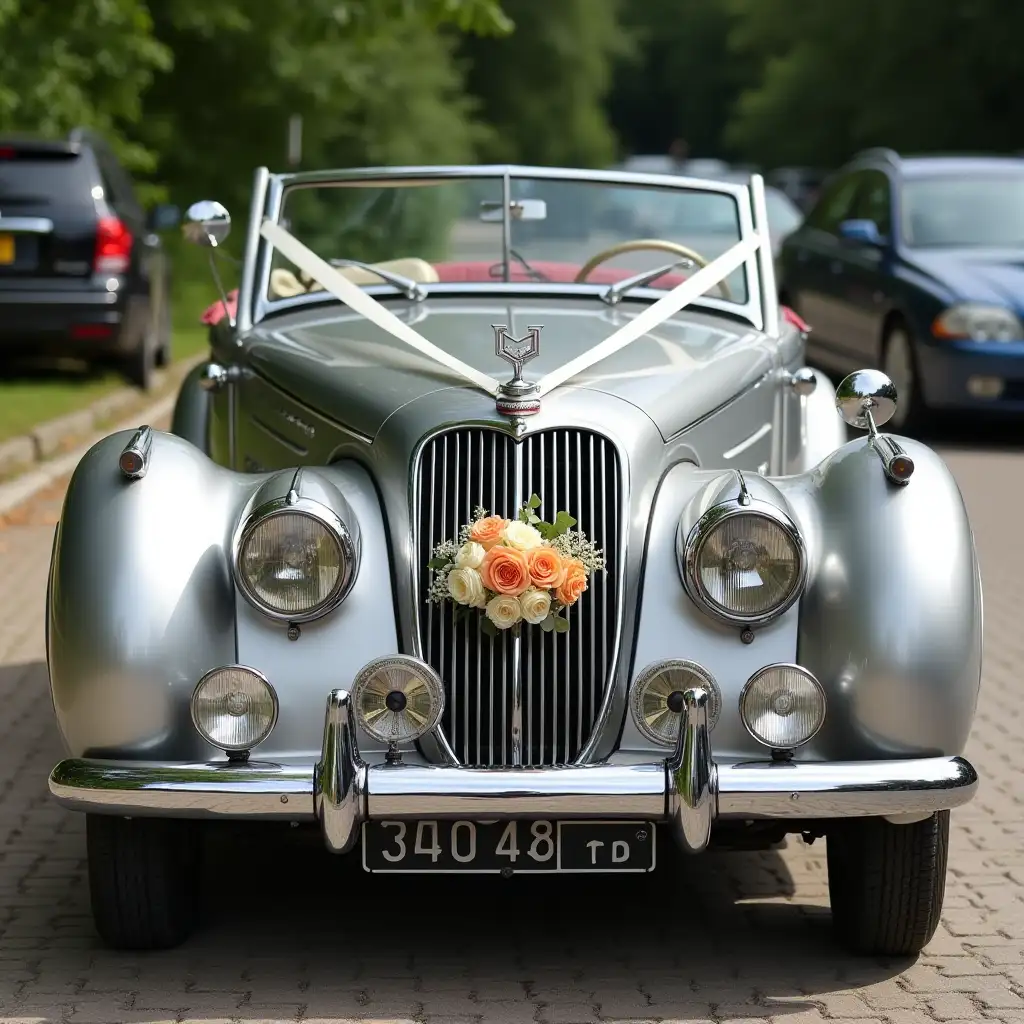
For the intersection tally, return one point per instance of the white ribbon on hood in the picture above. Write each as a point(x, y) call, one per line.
point(353, 296)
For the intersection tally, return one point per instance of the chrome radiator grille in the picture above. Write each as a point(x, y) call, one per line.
point(533, 700)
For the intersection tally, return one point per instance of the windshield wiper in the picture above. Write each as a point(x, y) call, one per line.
point(406, 285)
point(614, 292)
point(498, 270)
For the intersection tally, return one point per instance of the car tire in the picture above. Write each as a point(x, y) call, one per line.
point(140, 366)
point(899, 363)
point(143, 880)
point(164, 337)
point(887, 882)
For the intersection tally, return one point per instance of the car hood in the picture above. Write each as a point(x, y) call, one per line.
point(978, 275)
point(351, 371)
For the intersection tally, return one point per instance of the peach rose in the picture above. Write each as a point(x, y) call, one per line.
point(546, 568)
point(487, 532)
point(504, 571)
point(574, 584)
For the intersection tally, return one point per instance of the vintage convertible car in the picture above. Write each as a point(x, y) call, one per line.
point(496, 539)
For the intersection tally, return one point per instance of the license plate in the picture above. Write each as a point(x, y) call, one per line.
point(508, 847)
point(6, 249)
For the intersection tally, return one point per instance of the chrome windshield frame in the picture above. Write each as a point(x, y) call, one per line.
point(760, 309)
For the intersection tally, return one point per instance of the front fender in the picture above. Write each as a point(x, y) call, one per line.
point(142, 604)
point(891, 619)
point(192, 410)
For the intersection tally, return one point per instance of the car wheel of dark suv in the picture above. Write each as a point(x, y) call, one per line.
point(899, 362)
point(140, 366)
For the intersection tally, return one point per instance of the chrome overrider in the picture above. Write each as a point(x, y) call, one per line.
point(687, 790)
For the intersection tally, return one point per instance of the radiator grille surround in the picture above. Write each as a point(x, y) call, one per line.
point(531, 700)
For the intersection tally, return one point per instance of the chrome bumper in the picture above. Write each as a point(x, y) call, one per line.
point(688, 790)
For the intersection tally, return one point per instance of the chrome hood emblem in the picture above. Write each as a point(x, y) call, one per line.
point(517, 397)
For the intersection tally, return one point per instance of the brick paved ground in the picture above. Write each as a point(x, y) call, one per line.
point(293, 934)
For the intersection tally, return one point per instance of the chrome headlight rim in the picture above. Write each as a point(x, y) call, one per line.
point(792, 667)
point(704, 678)
point(327, 517)
point(426, 672)
point(235, 748)
point(698, 537)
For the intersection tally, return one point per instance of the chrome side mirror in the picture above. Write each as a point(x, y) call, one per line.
point(207, 223)
point(866, 399)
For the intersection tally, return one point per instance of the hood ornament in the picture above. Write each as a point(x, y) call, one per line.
point(517, 397)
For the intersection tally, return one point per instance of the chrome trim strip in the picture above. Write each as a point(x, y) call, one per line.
point(346, 787)
point(769, 295)
point(364, 175)
point(827, 789)
point(244, 312)
point(748, 442)
point(27, 225)
point(212, 790)
point(574, 791)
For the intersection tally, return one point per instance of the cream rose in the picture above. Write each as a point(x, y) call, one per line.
point(535, 605)
point(469, 556)
point(522, 536)
point(504, 611)
point(466, 587)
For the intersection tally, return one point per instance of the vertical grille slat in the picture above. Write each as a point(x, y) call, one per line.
point(558, 681)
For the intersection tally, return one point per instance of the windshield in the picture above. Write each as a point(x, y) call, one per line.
point(983, 210)
point(450, 230)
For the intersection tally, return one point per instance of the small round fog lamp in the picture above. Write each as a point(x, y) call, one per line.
point(397, 698)
point(782, 706)
point(234, 708)
point(656, 699)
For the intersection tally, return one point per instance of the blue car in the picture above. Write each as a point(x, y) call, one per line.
point(916, 265)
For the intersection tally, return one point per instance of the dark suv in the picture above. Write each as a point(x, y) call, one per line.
point(82, 270)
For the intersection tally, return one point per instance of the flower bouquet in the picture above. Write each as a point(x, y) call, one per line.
point(512, 571)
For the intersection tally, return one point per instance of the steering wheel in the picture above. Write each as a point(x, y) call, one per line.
point(647, 243)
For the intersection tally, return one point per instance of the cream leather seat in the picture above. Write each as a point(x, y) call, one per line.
point(285, 283)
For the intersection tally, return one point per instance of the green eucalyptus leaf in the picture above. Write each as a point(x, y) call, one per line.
point(561, 625)
point(534, 501)
point(547, 624)
point(488, 627)
point(437, 563)
point(563, 523)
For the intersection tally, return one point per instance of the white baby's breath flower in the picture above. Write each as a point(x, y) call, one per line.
point(470, 555)
point(466, 587)
point(535, 605)
point(522, 536)
point(504, 611)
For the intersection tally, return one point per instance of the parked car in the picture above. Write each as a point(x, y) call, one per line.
point(82, 269)
point(914, 265)
point(482, 554)
point(802, 185)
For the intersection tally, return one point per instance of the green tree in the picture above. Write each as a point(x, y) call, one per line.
point(680, 80)
point(836, 77)
point(78, 63)
point(541, 89)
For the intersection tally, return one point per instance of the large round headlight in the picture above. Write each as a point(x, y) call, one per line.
point(656, 699)
point(744, 563)
point(397, 698)
point(234, 708)
point(295, 561)
point(782, 706)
